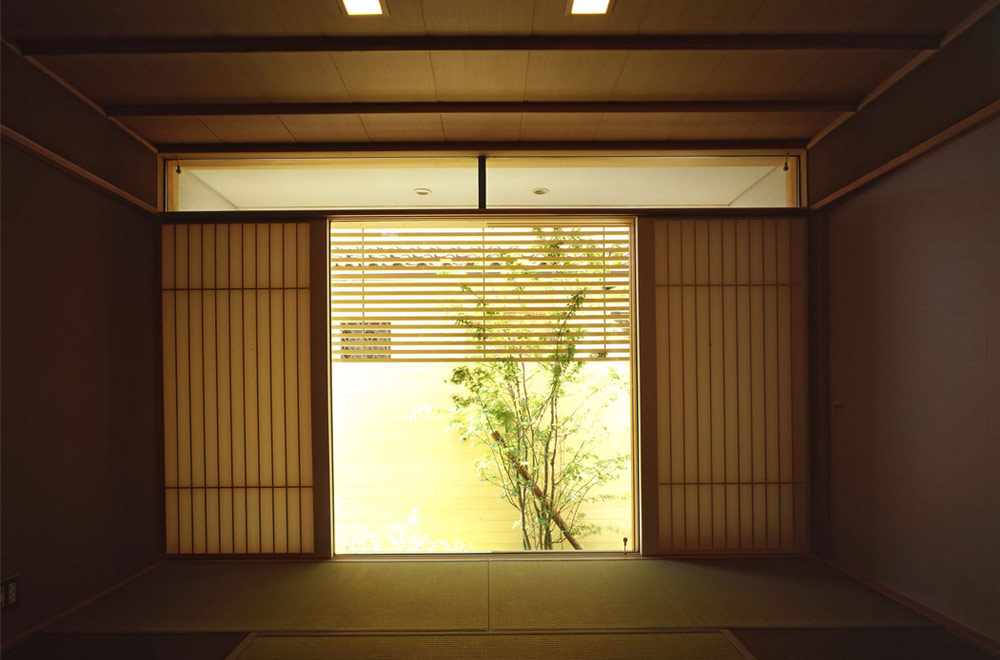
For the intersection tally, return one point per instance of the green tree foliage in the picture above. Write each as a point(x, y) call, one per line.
point(540, 417)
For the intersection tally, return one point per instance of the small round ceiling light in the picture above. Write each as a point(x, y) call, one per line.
point(422, 191)
point(540, 191)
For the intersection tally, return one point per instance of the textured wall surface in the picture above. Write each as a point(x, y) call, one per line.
point(915, 380)
point(80, 451)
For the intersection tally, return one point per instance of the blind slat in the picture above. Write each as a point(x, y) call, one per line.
point(484, 292)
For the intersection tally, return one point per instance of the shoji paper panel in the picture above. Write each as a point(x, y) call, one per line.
point(236, 394)
point(732, 406)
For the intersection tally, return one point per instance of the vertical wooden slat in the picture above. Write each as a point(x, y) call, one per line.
point(262, 255)
point(199, 521)
point(718, 414)
point(663, 419)
point(172, 519)
point(262, 324)
point(665, 522)
point(303, 322)
point(280, 520)
point(784, 377)
point(185, 530)
point(226, 531)
point(180, 256)
point(235, 256)
point(800, 382)
point(237, 394)
point(731, 383)
point(223, 370)
point(689, 384)
point(769, 319)
point(210, 368)
point(758, 442)
point(294, 520)
point(169, 299)
point(208, 257)
point(194, 263)
point(291, 387)
point(276, 309)
point(267, 520)
point(240, 535)
point(743, 404)
point(307, 515)
point(251, 391)
point(661, 251)
point(167, 258)
point(196, 357)
point(703, 423)
point(183, 389)
point(302, 254)
point(212, 526)
point(253, 519)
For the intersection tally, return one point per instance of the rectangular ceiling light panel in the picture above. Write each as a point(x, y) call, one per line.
point(363, 7)
point(589, 6)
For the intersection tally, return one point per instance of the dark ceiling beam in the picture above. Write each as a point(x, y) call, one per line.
point(194, 109)
point(182, 148)
point(303, 44)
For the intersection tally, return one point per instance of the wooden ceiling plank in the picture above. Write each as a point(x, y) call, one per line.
point(699, 16)
point(248, 129)
point(425, 127)
point(577, 126)
point(481, 127)
point(573, 75)
point(171, 129)
point(480, 17)
point(387, 76)
point(479, 75)
point(325, 128)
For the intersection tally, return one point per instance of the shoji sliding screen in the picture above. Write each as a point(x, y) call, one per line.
point(731, 365)
point(236, 389)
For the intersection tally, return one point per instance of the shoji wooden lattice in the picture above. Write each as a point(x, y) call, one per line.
point(236, 393)
point(731, 364)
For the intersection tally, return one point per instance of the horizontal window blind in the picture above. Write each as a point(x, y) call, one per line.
point(466, 291)
point(731, 365)
point(236, 389)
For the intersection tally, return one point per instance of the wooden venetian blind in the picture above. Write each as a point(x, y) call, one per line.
point(731, 384)
point(236, 394)
point(463, 291)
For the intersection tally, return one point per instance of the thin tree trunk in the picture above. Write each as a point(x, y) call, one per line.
point(558, 519)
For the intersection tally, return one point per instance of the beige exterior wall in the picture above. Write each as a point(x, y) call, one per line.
point(403, 479)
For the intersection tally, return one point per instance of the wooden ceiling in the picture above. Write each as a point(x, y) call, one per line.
point(763, 70)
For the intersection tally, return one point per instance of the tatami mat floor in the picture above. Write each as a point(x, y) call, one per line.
point(492, 608)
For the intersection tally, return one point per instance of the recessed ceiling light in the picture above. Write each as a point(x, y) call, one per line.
point(422, 191)
point(363, 7)
point(589, 6)
point(540, 191)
